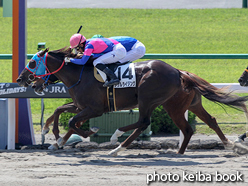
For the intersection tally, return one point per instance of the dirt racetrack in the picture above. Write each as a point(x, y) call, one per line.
point(133, 167)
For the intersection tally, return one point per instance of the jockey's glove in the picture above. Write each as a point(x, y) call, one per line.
point(67, 59)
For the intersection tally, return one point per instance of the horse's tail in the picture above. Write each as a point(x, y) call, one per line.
point(223, 96)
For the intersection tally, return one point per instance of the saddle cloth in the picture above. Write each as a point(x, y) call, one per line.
point(125, 72)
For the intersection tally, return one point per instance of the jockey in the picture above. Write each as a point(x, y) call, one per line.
point(135, 49)
point(109, 50)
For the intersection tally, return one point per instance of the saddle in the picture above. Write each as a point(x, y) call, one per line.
point(112, 66)
point(126, 74)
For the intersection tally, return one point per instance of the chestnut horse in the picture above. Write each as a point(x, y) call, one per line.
point(158, 83)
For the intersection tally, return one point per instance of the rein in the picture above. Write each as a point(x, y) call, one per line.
point(78, 79)
point(246, 70)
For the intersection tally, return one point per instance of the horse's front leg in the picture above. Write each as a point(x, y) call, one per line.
point(141, 125)
point(84, 115)
point(45, 128)
point(122, 130)
point(69, 107)
point(128, 141)
point(61, 141)
point(74, 124)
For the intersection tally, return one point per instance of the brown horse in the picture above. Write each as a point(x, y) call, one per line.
point(179, 98)
point(157, 84)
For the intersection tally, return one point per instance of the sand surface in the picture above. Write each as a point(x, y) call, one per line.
point(132, 167)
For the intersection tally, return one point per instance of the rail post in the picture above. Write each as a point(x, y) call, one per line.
point(244, 4)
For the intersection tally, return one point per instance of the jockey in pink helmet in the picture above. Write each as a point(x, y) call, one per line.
point(109, 50)
point(76, 40)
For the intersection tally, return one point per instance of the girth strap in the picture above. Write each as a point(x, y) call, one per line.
point(111, 98)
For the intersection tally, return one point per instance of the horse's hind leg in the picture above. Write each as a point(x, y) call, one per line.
point(185, 128)
point(177, 116)
point(210, 121)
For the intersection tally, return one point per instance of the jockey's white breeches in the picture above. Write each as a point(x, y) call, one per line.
point(115, 55)
point(138, 51)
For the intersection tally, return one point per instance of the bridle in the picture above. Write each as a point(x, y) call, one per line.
point(42, 61)
point(45, 76)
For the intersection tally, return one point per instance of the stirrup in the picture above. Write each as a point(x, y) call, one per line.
point(111, 83)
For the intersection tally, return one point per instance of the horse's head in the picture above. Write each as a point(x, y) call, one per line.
point(41, 83)
point(33, 68)
point(243, 80)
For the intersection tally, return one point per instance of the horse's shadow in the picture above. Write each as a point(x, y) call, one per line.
point(153, 160)
point(143, 160)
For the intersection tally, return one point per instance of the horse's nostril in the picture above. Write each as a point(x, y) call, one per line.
point(18, 80)
point(240, 80)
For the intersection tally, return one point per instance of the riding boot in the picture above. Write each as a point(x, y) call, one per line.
point(113, 79)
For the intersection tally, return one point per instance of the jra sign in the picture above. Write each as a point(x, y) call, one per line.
point(13, 90)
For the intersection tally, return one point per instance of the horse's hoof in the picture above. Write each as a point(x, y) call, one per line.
point(229, 145)
point(94, 129)
point(45, 131)
point(53, 147)
point(113, 153)
point(240, 149)
point(60, 142)
point(238, 140)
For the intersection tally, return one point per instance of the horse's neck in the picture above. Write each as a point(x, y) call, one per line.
point(70, 75)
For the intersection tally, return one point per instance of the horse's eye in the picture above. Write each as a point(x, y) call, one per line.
point(32, 64)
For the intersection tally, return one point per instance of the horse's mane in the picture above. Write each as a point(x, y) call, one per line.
point(61, 53)
point(67, 52)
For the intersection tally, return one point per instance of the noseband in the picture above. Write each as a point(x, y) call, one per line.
point(31, 78)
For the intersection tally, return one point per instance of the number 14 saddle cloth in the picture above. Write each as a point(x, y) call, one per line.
point(125, 72)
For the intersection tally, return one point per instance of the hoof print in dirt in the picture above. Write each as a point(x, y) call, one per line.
point(34, 147)
point(170, 144)
point(149, 145)
point(108, 145)
point(134, 145)
point(87, 145)
point(209, 144)
point(194, 144)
